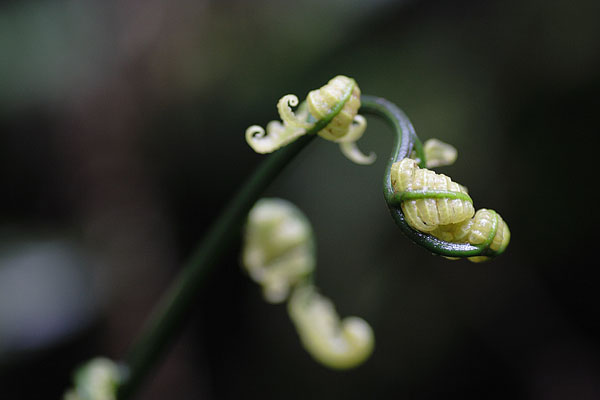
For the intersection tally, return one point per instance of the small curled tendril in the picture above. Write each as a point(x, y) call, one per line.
point(331, 111)
point(98, 379)
point(434, 204)
point(438, 153)
point(276, 136)
point(348, 142)
point(279, 254)
point(297, 120)
point(336, 343)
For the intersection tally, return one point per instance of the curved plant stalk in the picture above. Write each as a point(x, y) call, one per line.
point(176, 303)
point(405, 140)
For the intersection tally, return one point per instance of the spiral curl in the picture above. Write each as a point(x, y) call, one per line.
point(331, 111)
point(432, 203)
point(429, 199)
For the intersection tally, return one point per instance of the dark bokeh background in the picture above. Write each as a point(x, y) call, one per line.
point(121, 137)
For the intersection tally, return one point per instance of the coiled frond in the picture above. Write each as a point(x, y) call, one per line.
point(331, 111)
point(429, 199)
point(486, 229)
point(336, 343)
point(434, 204)
point(279, 247)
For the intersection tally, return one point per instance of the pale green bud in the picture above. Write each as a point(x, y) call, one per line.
point(434, 204)
point(338, 101)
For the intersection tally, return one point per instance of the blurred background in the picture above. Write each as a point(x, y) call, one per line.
point(122, 136)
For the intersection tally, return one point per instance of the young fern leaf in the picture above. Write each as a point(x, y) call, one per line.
point(434, 204)
point(330, 111)
point(422, 222)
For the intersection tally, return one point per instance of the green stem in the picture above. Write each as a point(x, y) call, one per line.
point(406, 138)
point(176, 304)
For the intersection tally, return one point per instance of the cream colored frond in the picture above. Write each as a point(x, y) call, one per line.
point(434, 204)
point(337, 102)
point(427, 213)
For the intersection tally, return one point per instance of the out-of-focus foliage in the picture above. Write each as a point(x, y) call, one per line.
point(122, 130)
point(279, 254)
point(278, 248)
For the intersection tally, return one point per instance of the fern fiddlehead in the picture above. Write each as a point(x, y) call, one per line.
point(430, 209)
point(330, 111)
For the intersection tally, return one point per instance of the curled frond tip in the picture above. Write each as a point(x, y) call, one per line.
point(331, 111)
point(434, 204)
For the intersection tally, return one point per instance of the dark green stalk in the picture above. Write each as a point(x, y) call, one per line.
point(406, 138)
point(169, 315)
point(175, 305)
